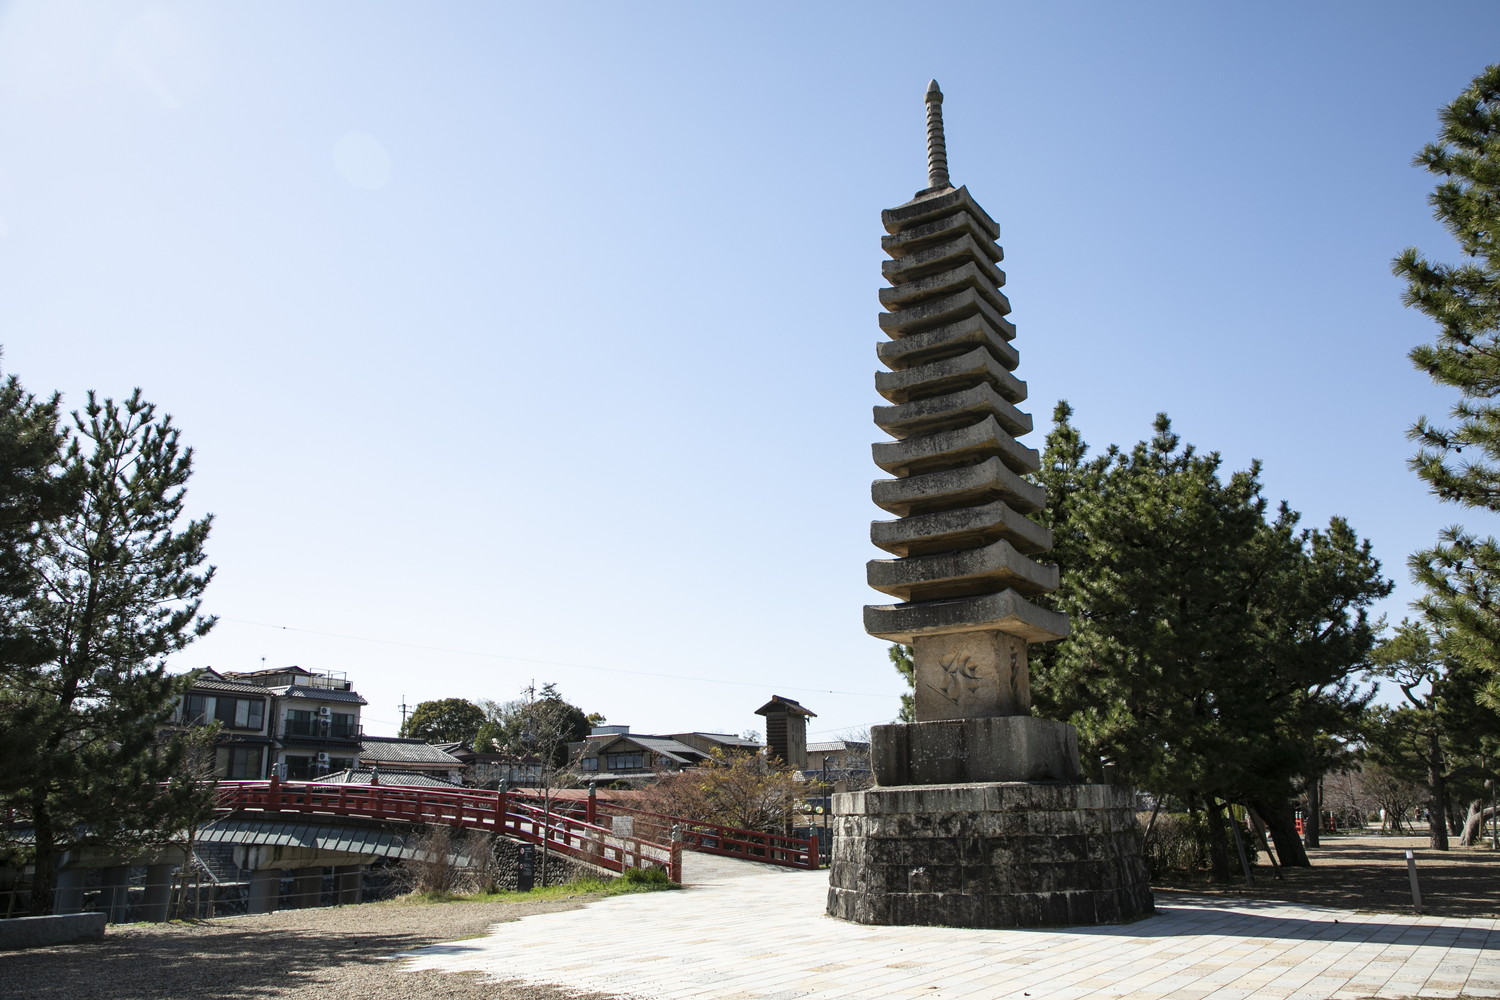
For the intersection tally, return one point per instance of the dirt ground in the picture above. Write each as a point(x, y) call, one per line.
point(1368, 872)
point(330, 953)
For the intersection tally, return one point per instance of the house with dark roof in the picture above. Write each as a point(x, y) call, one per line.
point(722, 742)
point(834, 761)
point(291, 721)
point(490, 769)
point(398, 755)
point(244, 713)
point(614, 754)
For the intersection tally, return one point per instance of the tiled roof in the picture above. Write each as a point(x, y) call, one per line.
point(627, 776)
point(680, 752)
point(240, 690)
point(212, 680)
point(321, 694)
point(789, 705)
point(405, 751)
point(727, 740)
point(361, 777)
point(834, 745)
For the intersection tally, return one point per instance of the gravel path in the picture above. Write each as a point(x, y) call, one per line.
point(324, 954)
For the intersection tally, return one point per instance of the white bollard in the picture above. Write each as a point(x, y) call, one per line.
point(1411, 870)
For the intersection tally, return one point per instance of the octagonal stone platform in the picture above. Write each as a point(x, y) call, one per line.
point(999, 854)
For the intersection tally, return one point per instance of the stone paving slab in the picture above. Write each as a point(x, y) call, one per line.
point(754, 932)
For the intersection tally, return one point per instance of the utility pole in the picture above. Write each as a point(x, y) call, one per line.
point(403, 713)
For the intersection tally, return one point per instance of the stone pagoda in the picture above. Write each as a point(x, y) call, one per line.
point(978, 818)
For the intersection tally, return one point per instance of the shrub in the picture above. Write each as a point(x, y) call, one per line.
point(646, 877)
point(1178, 844)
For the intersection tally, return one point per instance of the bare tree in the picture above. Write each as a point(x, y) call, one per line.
point(1395, 794)
point(539, 726)
point(733, 788)
point(1346, 796)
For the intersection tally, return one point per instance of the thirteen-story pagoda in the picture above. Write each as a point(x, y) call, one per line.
point(978, 817)
point(968, 554)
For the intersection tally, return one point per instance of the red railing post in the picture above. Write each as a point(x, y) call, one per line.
point(273, 794)
point(812, 850)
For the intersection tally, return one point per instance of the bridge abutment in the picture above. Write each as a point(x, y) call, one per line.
point(265, 891)
point(68, 896)
point(158, 903)
point(349, 884)
point(307, 889)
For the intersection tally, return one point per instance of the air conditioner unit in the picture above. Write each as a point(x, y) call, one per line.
point(324, 711)
point(322, 758)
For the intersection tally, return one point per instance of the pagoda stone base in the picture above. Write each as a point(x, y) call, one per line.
point(1001, 854)
point(961, 751)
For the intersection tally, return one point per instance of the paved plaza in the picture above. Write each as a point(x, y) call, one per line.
point(748, 932)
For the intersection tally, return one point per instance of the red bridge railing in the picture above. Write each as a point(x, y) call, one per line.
point(496, 812)
point(706, 838)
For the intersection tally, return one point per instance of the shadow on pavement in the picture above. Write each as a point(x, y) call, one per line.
point(206, 966)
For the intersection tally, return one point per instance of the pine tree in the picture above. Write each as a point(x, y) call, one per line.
point(113, 588)
point(35, 489)
point(1213, 641)
point(1464, 299)
point(1443, 737)
point(900, 656)
point(1461, 463)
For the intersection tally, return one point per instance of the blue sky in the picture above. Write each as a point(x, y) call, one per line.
point(535, 341)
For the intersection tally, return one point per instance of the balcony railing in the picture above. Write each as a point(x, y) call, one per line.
point(321, 729)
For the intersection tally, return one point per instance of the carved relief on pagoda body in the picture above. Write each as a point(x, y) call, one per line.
point(971, 676)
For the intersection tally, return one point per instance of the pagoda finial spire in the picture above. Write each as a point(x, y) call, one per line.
point(937, 147)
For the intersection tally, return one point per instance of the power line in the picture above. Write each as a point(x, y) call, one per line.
point(854, 728)
point(551, 663)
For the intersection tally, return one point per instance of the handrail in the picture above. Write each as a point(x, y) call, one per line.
point(707, 838)
point(497, 812)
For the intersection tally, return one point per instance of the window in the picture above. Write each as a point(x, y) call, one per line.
point(626, 761)
point(301, 768)
point(195, 709)
point(240, 713)
point(239, 763)
point(590, 763)
point(300, 722)
point(344, 726)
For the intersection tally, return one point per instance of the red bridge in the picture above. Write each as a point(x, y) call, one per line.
point(574, 828)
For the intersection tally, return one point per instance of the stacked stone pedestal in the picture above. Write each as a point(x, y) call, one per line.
point(997, 854)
